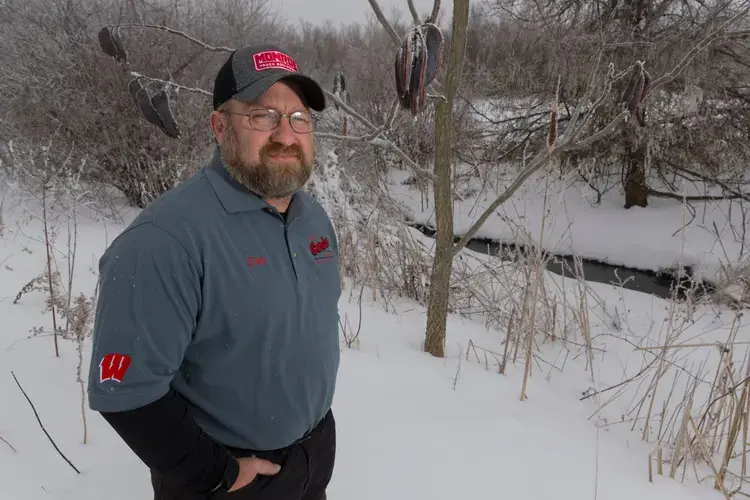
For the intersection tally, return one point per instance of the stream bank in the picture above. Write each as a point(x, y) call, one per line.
point(660, 284)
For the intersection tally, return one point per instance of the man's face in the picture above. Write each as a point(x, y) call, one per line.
point(272, 164)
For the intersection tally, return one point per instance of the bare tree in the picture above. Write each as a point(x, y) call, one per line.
point(680, 128)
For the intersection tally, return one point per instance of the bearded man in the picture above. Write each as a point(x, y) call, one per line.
point(216, 344)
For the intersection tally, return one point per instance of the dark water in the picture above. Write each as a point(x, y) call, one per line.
point(663, 285)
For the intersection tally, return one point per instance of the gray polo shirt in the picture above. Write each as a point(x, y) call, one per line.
point(212, 291)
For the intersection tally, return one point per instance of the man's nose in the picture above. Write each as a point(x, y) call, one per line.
point(284, 133)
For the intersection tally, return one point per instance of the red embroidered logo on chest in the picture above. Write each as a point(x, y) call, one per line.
point(321, 249)
point(256, 261)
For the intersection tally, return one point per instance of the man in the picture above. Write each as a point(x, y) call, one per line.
point(216, 336)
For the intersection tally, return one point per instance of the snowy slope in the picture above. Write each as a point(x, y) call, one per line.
point(410, 426)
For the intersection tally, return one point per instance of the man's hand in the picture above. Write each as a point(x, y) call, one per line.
point(251, 467)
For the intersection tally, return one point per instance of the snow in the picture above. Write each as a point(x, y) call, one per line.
point(650, 238)
point(410, 426)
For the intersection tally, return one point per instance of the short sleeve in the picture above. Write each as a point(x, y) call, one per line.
point(147, 309)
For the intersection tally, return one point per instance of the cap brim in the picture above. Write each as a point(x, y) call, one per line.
point(313, 93)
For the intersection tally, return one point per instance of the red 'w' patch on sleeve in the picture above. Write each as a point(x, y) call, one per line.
point(114, 367)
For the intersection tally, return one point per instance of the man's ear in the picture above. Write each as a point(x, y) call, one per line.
point(217, 125)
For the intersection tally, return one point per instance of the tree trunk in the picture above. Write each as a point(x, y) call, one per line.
point(636, 189)
point(635, 144)
point(437, 309)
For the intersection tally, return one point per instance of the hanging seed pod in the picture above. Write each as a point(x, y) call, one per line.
point(640, 112)
point(339, 83)
point(133, 87)
point(110, 43)
point(417, 87)
point(403, 73)
point(637, 89)
point(122, 53)
point(106, 43)
point(148, 110)
point(417, 63)
point(634, 89)
point(435, 42)
point(339, 89)
point(161, 103)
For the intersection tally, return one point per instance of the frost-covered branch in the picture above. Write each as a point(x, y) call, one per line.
point(349, 110)
point(375, 137)
point(606, 131)
point(700, 46)
point(174, 85)
point(175, 32)
point(388, 27)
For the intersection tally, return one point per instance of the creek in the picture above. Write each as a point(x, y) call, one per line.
point(661, 284)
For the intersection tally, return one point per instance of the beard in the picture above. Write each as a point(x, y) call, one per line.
point(267, 179)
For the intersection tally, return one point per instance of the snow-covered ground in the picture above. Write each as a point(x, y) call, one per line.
point(643, 238)
point(410, 426)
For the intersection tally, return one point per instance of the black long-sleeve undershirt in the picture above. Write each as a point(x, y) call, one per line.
point(164, 435)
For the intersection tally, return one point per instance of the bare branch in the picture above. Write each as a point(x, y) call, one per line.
point(42, 425)
point(6, 442)
point(177, 86)
point(375, 137)
point(380, 141)
point(543, 155)
point(413, 10)
point(610, 128)
point(175, 32)
point(703, 44)
point(435, 12)
point(587, 95)
point(349, 110)
point(388, 27)
point(391, 114)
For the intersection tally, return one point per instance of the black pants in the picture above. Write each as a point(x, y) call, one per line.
point(306, 470)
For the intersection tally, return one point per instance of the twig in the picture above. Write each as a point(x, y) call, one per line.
point(680, 346)
point(194, 90)
point(644, 370)
point(6, 442)
point(42, 425)
point(47, 244)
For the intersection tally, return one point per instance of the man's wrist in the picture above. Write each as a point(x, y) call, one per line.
point(229, 477)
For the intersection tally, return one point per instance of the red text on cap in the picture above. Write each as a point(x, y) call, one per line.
point(273, 59)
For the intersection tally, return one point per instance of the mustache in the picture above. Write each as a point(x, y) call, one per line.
point(278, 149)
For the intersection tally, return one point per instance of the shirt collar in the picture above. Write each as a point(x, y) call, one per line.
point(235, 198)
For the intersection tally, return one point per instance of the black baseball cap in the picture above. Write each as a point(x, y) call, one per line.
point(250, 71)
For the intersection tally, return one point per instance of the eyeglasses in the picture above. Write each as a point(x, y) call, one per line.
point(268, 119)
